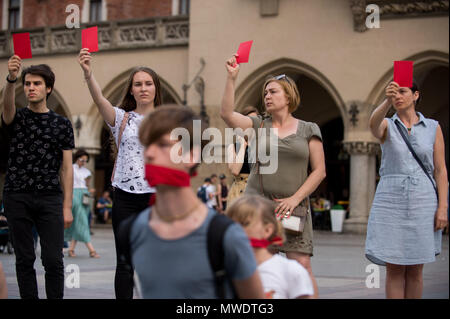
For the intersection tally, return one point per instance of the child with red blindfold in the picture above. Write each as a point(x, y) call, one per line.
point(282, 278)
point(168, 241)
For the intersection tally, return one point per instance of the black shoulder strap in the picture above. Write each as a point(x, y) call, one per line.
point(397, 123)
point(123, 239)
point(216, 253)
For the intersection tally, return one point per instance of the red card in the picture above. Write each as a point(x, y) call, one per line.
point(89, 39)
point(243, 52)
point(403, 73)
point(22, 45)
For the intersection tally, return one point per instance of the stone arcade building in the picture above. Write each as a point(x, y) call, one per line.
point(341, 67)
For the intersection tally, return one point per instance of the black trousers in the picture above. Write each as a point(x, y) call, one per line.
point(124, 205)
point(45, 210)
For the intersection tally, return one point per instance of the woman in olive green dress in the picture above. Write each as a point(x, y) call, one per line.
point(299, 144)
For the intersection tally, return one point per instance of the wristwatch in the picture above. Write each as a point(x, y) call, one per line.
point(7, 79)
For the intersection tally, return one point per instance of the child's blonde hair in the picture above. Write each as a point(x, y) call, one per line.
point(248, 207)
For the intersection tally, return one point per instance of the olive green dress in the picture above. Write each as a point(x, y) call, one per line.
point(291, 173)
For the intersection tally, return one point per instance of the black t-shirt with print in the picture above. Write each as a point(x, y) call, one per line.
point(35, 152)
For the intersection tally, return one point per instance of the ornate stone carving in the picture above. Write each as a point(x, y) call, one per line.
point(64, 41)
point(176, 32)
point(360, 147)
point(358, 8)
point(392, 9)
point(4, 44)
point(139, 35)
point(113, 35)
point(402, 8)
point(105, 37)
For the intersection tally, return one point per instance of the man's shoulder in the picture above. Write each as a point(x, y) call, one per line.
point(59, 117)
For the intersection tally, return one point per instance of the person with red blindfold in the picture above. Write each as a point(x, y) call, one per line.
point(168, 241)
point(282, 278)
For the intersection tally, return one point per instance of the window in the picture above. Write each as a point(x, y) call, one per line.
point(95, 10)
point(14, 14)
point(183, 7)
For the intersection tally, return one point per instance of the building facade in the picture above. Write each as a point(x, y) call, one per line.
point(339, 63)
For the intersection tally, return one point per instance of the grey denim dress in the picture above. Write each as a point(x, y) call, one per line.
point(400, 230)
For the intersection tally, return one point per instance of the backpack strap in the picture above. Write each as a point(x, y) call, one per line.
point(216, 231)
point(122, 128)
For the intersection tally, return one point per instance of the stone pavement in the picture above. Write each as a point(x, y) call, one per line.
point(338, 264)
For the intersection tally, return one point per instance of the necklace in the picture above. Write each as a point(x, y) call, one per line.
point(171, 219)
point(409, 129)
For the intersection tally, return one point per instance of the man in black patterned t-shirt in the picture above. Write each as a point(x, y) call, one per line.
point(39, 178)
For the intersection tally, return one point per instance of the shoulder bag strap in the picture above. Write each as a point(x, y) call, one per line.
point(122, 128)
point(257, 159)
point(397, 123)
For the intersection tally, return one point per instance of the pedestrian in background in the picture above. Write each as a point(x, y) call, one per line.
point(408, 214)
point(80, 230)
point(222, 190)
point(104, 206)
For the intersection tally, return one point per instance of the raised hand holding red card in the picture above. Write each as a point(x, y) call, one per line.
point(22, 45)
point(89, 39)
point(403, 73)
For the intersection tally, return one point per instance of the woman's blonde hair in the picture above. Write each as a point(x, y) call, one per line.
point(289, 88)
point(248, 207)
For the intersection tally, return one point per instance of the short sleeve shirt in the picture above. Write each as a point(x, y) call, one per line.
point(284, 278)
point(291, 169)
point(35, 152)
point(130, 173)
point(180, 268)
point(79, 176)
point(211, 189)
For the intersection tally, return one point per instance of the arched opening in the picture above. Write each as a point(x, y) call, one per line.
point(434, 102)
point(320, 103)
point(55, 102)
point(114, 92)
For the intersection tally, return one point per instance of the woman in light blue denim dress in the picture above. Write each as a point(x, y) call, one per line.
point(406, 220)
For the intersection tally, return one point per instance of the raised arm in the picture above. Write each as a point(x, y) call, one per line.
point(9, 99)
point(232, 118)
point(104, 106)
point(377, 122)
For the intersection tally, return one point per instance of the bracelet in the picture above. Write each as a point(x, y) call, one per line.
point(10, 81)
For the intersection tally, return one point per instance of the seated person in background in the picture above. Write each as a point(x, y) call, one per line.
point(104, 206)
point(282, 278)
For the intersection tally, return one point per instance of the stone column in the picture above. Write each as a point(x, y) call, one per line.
point(362, 184)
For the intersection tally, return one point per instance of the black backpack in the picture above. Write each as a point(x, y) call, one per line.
point(201, 193)
point(216, 231)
